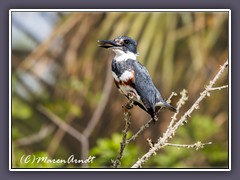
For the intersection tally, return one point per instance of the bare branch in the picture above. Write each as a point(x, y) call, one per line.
point(197, 145)
point(180, 103)
point(40, 135)
point(101, 105)
point(127, 118)
point(69, 129)
point(57, 137)
point(162, 141)
point(217, 88)
point(142, 128)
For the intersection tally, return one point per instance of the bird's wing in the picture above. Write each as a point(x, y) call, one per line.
point(144, 86)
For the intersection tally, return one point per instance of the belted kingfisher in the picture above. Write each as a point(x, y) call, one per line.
point(132, 78)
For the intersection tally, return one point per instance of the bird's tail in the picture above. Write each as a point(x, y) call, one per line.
point(170, 107)
point(165, 104)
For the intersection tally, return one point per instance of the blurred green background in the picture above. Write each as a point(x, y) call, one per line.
point(64, 101)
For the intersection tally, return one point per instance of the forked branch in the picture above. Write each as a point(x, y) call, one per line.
point(163, 141)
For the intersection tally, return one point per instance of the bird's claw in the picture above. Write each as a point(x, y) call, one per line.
point(131, 95)
point(129, 106)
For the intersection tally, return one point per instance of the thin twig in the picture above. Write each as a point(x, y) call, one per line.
point(170, 132)
point(146, 125)
point(197, 145)
point(218, 88)
point(142, 128)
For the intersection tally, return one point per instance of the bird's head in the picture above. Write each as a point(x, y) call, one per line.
point(121, 44)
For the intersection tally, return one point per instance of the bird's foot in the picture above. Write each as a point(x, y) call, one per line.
point(129, 105)
point(130, 96)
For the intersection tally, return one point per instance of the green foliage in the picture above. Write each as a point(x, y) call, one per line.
point(25, 119)
point(107, 150)
point(200, 127)
point(20, 110)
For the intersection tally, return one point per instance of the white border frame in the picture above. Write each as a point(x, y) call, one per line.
point(116, 10)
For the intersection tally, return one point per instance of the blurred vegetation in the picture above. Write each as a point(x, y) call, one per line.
point(70, 77)
point(107, 150)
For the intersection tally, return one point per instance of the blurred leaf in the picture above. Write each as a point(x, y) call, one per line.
point(199, 127)
point(20, 109)
point(107, 150)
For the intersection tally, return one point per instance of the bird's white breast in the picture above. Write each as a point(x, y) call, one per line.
point(125, 89)
point(126, 76)
point(123, 56)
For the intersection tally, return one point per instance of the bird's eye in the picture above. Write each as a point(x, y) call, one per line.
point(126, 41)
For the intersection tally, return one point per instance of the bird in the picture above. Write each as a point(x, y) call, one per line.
point(132, 78)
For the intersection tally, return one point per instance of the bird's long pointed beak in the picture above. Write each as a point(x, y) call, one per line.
point(107, 44)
